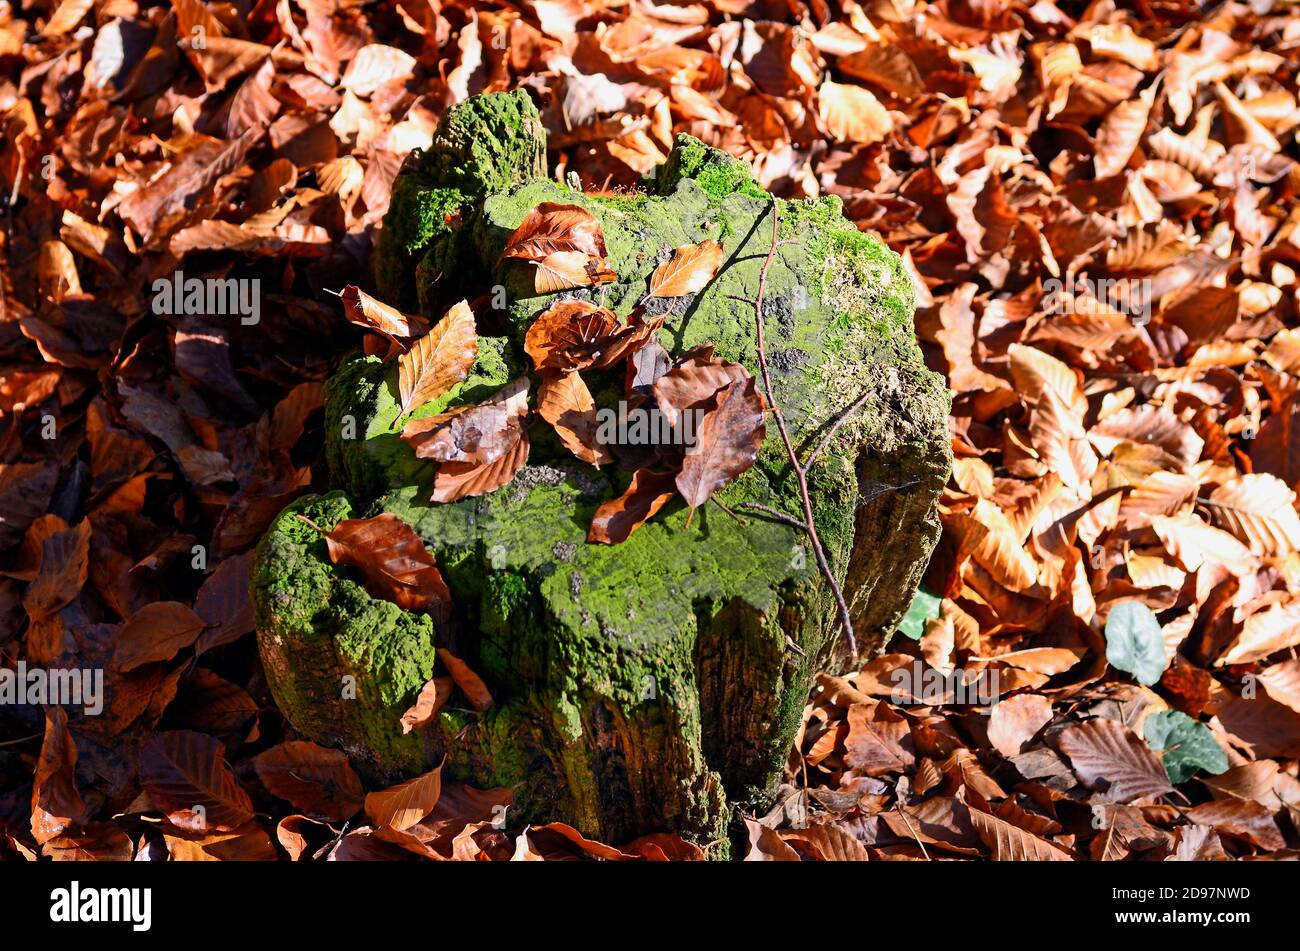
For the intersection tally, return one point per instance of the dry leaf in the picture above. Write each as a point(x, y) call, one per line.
point(439, 360)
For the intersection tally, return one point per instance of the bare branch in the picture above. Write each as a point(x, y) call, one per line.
point(810, 525)
point(845, 415)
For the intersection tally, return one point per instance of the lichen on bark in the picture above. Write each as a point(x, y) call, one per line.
point(648, 685)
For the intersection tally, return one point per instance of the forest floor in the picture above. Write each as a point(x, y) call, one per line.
point(1097, 204)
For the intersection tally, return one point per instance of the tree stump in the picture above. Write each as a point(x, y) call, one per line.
point(656, 684)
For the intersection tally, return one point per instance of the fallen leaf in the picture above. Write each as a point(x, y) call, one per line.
point(392, 560)
point(402, 806)
point(688, 271)
point(439, 360)
point(470, 684)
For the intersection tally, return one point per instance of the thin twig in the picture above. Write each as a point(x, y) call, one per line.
point(840, 420)
point(774, 513)
point(899, 806)
point(22, 739)
point(801, 477)
point(739, 520)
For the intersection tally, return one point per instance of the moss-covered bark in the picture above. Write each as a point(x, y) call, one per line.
point(647, 685)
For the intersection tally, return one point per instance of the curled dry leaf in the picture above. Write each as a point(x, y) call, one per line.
point(480, 448)
point(461, 480)
point(565, 270)
point(558, 338)
point(470, 683)
point(474, 435)
point(439, 360)
point(618, 518)
point(564, 401)
point(1120, 133)
point(365, 311)
point(431, 698)
point(56, 803)
point(393, 562)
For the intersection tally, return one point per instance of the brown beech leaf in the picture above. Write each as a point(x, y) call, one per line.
point(1120, 133)
point(66, 16)
point(1010, 843)
point(558, 338)
point(394, 564)
point(461, 480)
point(1265, 632)
point(552, 228)
point(224, 604)
point(1240, 819)
point(475, 435)
point(312, 778)
point(688, 271)
point(626, 341)
point(564, 401)
point(430, 700)
point(186, 775)
point(584, 845)
point(694, 381)
point(830, 844)
point(365, 311)
point(56, 803)
point(1111, 758)
point(470, 684)
point(1015, 720)
point(156, 632)
point(879, 741)
point(852, 114)
point(766, 844)
point(402, 806)
point(727, 441)
point(1260, 510)
point(1282, 683)
point(439, 360)
point(563, 270)
point(97, 842)
point(64, 565)
point(647, 364)
point(618, 518)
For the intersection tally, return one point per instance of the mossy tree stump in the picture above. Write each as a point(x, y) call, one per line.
point(650, 685)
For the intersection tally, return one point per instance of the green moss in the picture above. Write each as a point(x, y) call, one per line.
point(345, 664)
point(481, 146)
point(626, 202)
point(718, 173)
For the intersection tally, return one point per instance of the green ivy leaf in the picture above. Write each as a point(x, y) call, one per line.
point(924, 606)
point(1187, 744)
point(1133, 642)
